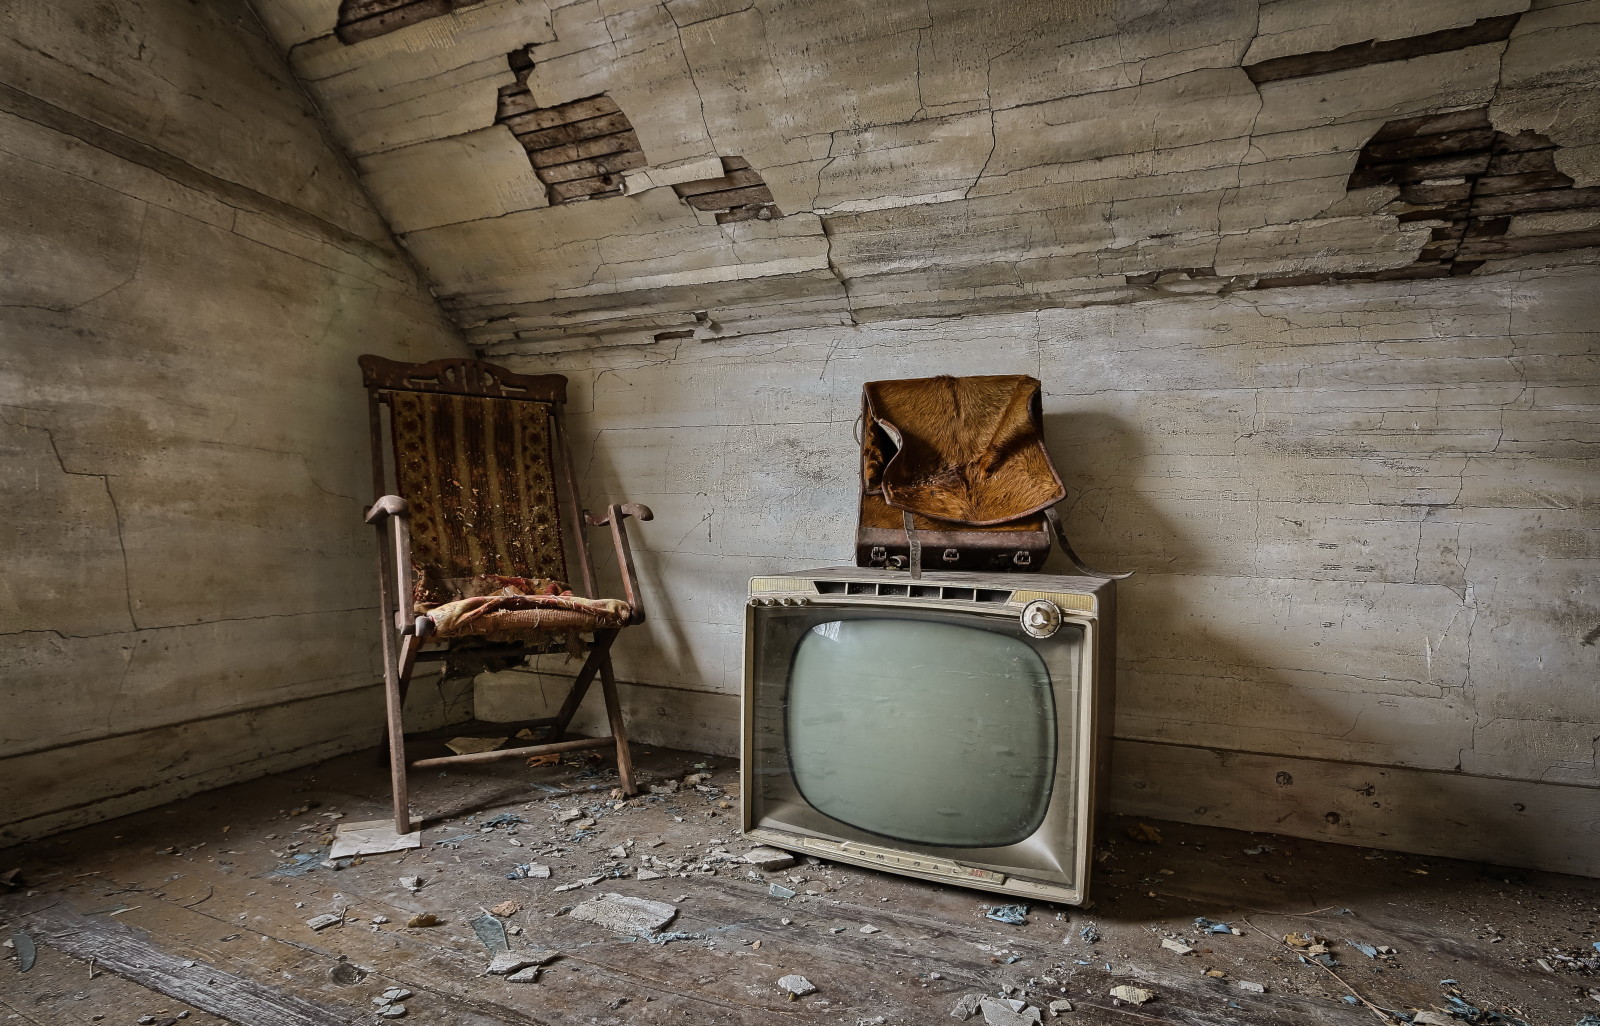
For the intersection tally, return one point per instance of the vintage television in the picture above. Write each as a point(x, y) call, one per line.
point(953, 727)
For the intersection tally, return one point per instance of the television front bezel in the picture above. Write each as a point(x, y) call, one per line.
point(1086, 602)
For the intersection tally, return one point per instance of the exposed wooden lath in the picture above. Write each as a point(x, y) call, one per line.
point(1374, 51)
point(739, 195)
point(1458, 169)
point(578, 149)
point(365, 19)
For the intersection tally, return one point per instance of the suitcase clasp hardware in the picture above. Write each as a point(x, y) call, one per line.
point(951, 555)
point(1022, 558)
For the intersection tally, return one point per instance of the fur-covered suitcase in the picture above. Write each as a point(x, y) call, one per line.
point(955, 476)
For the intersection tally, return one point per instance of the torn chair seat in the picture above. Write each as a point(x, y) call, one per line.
point(524, 614)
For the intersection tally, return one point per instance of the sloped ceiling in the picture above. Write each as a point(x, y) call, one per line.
point(616, 172)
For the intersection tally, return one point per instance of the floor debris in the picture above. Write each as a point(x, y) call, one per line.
point(779, 891)
point(492, 932)
point(1144, 833)
point(347, 975)
point(373, 837)
point(411, 883)
point(529, 871)
point(668, 936)
point(1132, 995)
point(325, 920)
point(506, 908)
point(1176, 945)
point(769, 858)
point(622, 914)
point(1252, 988)
point(422, 919)
point(1060, 1005)
point(1006, 1012)
point(585, 882)
point(797, 985)
point(474, 745)
point(1016, 915)
point(504, 963)
point(966, 1007)
point(27, 952)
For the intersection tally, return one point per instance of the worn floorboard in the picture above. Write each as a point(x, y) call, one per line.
point(203, 884)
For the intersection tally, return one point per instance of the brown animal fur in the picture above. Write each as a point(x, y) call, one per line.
point(960, 450)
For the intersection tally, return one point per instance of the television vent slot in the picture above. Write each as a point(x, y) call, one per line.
point(956, 594)
point(860, 588)
point(990, 595)
point(925, 591)
point(893, 589)
point(829, 587)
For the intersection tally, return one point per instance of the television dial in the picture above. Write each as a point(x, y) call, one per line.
point(1041, 618)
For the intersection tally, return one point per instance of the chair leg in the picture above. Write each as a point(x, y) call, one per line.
point(580, 684)
point(619, 730)
point(396, 681)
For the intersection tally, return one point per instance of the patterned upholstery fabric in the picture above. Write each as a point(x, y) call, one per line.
point(477, 474)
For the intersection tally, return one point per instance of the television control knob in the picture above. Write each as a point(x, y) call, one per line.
point(1041, 618)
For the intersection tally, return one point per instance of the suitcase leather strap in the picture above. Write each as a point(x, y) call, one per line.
point(1060, 532)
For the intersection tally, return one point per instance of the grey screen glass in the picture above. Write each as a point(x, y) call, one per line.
point(926, 732)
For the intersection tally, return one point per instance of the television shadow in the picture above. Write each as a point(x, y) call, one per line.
point(1232, 728)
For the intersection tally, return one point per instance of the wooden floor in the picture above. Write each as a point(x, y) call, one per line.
point(187, 908)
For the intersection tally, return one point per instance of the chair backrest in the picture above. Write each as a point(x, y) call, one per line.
point(477, 457)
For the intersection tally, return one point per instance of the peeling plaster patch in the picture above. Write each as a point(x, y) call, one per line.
point(740, 194)
point(367, 19)
point(635, 182)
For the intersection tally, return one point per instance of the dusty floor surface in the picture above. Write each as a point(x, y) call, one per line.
point(201, 907)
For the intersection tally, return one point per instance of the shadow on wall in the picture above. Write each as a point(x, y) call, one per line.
point(1220, 727)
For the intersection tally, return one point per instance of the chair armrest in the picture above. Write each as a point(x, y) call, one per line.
point(388, 506)
point(392, 507)
point(619, 511)
point(614, 517)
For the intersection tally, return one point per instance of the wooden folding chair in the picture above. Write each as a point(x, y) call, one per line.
point(474, 536)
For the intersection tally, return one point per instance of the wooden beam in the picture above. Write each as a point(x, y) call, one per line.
point(517, 753)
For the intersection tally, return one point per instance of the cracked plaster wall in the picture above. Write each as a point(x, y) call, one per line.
point(187, 273)
point(1363, 516)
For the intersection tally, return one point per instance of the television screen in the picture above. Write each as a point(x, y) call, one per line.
point(924, 732)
